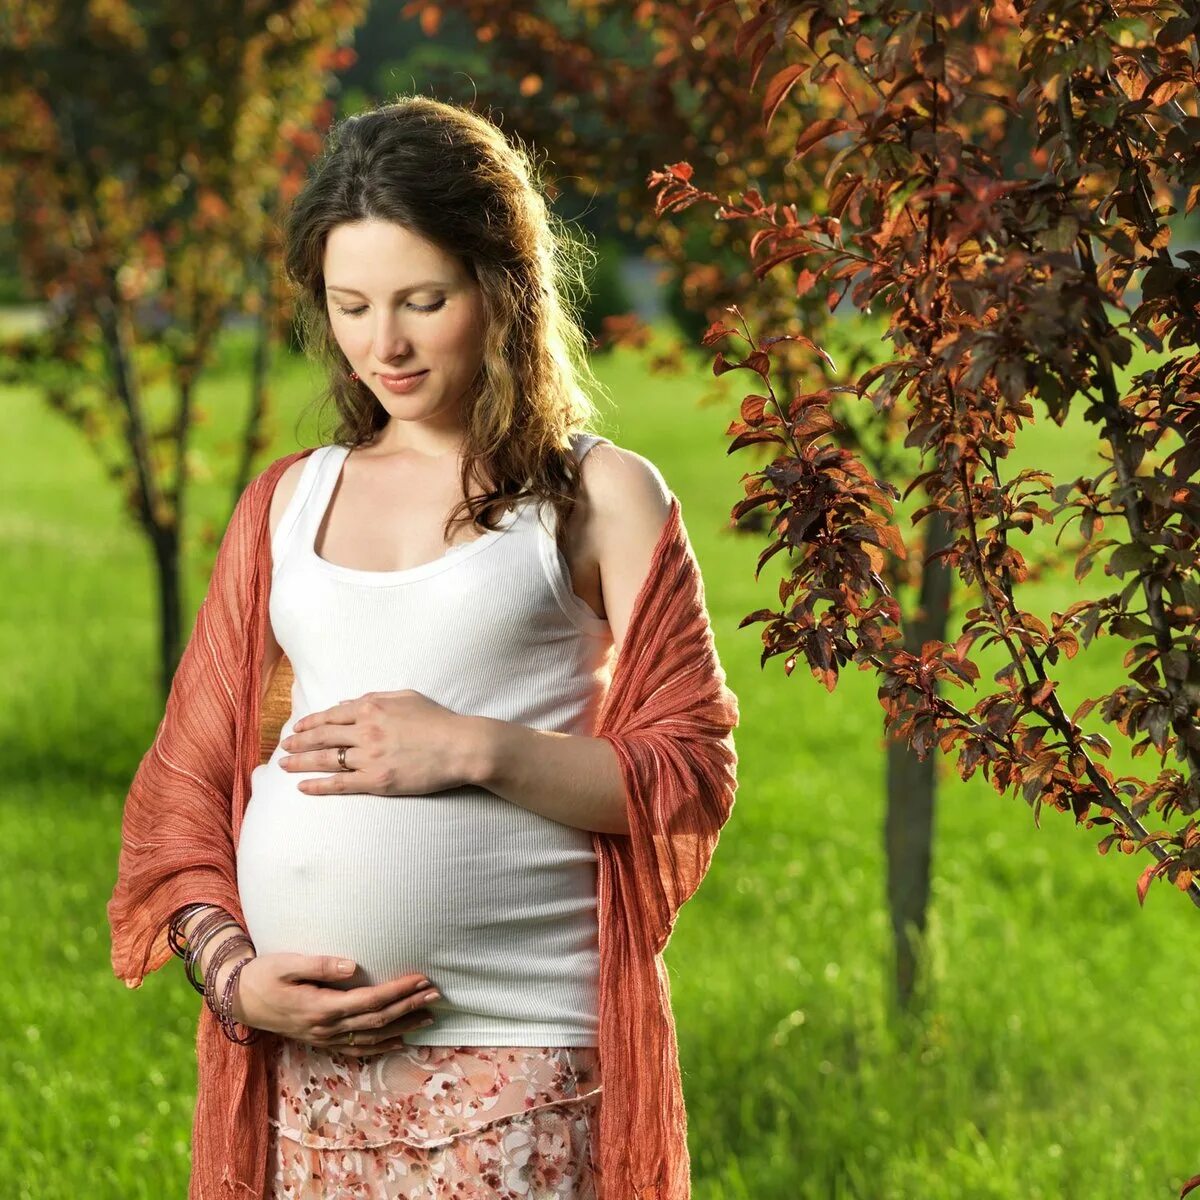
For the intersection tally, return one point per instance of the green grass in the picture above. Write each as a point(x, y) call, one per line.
point(1055, 1060)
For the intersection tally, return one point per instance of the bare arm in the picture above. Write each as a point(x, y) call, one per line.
point(570, 778)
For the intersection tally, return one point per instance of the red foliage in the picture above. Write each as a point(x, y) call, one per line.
point(996, 289)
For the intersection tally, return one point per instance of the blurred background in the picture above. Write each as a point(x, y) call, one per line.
point(149, 150)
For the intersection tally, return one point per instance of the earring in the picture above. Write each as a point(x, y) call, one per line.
point(354, 375)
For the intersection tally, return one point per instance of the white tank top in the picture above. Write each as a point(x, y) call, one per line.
point(495, 904)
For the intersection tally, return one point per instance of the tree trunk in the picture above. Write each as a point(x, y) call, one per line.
point(258, 386)
point(912, 791)
point(170, 601)
point(146, 497)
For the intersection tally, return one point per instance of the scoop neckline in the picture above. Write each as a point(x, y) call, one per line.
point(449, 558)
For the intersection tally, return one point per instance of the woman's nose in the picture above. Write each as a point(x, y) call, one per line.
point(390, 341)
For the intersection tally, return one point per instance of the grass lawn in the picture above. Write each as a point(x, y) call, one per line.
point(1055, 1061)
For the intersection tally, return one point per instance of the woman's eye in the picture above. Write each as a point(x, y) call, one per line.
point(426, 308)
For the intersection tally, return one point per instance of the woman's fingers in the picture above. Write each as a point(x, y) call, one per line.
point(343, 1008)
point(384, 1041)
point(311, 968)
point(362, 1022)
point(374, 1051)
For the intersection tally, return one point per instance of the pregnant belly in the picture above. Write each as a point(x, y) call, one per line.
point(454, 885)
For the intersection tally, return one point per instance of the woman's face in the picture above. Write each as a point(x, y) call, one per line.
point(398, 304)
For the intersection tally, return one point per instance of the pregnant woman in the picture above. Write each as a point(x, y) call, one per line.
point(408, 921)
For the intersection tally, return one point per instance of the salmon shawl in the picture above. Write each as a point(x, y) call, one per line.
point(668, 715)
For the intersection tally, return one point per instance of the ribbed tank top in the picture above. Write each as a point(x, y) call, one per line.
point(495, 904)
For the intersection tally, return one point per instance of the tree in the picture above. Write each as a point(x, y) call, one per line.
point(998, 289)
point(149, 150)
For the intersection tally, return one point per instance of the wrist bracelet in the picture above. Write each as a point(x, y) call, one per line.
point(188, 946)
point(176, 938)
point(228, 1023)
point(179, 940)
point(191, 948)
point(231, 945)
point(194, 957)
point(222, 1009)
point(206, 922)
point(206, 928)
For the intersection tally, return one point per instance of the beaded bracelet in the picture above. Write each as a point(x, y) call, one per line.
point(190, 949)
point(179, 940)
point(225, 1015)
point(206, 928)
point(205, 932)
point(222, 1009)
point(176, 938)
point(224, 951)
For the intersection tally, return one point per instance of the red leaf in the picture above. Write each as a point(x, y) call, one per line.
point(816, 132)
point(762, 614)
point(742, 507)
point(806, 280)
point(752, 408)
point(755, 435)
point(758, 58)
point(759, 361)
point(715, 332)
point(431, 20)
point(748, 31)
point(1147, 877)
point(781, 83)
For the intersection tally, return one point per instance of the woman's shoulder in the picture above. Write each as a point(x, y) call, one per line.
point(625, 502)
point(614, 477)
point(627, 505)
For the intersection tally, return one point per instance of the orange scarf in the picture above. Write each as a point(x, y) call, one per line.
point(668, 714)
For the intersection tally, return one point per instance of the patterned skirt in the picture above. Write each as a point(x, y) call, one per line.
point(486, 1122)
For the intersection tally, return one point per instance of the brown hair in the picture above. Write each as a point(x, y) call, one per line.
point(452, 177)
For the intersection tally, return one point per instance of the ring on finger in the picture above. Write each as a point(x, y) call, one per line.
point(342, 758)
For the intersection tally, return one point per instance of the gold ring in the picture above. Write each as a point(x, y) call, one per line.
point(342, 757)
point(350, 1039)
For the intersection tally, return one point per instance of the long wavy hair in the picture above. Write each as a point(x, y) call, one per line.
point(452, 177)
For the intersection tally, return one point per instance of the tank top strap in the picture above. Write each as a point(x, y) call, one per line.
point(548, 518)
point(582, 442)
point(308, 502)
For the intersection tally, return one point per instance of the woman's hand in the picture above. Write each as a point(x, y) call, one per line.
point(279, 993)
point(398, 744)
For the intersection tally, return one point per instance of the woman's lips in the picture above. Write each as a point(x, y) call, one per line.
point(403, 383)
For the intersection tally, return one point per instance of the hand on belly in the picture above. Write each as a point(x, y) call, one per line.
point(284, 994)
point(396, 744)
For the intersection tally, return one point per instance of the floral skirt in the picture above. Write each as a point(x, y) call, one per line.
point(486, 1122)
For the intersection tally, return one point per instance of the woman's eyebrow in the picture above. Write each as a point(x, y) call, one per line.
point(438, 283)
